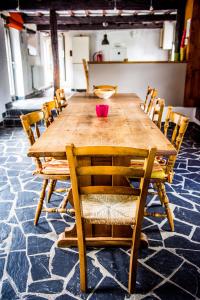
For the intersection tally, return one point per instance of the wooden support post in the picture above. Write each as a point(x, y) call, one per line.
point(54, 45)
point(192, 90)
point(179, 28)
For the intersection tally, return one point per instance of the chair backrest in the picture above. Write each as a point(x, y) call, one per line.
point(60, 94)
point(157, 111)
point(153, 93)
point(86, 71)
point(60, 99)
point(109, 87)
point(48, 108)
point(29, 121)
point(77, 172)
point(149, 90)
point(180, 123)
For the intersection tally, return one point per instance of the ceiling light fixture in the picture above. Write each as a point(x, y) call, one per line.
point(151, 5)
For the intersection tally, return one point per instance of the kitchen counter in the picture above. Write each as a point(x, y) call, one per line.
point(135, 62)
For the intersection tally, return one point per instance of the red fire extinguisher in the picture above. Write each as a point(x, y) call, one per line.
point(98, 56)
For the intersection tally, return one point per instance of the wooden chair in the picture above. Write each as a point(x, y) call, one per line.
point(149, 104)
point(112, 87)
point(156, 111)
point(48, 108)
point(61, 100)
point(149, 95)
point(48, 169)
point(163, 167)
point(86, 71)
point(110, 205)
point(143, 105)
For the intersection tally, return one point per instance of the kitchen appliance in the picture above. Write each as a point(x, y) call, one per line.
point(80, 51)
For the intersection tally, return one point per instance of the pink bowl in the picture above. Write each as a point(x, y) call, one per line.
point(102, 110)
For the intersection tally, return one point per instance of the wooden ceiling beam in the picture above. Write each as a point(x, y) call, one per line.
point(89, 4)
point(98, 20)
point(101, 27)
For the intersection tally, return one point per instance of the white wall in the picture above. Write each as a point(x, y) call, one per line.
point(168, 78)
point(142, 45)
point(4, 80)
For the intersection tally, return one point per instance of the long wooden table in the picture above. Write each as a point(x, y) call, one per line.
point(126, 125)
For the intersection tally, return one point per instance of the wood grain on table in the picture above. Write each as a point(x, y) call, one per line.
point(126, 125)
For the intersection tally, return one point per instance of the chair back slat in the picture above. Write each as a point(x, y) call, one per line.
point(121, 190)
point(37, 131)
point(110, 151)
point(110, 170)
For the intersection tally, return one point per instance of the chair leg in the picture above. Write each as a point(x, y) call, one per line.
point(133, 263)
point(41, 200)
point(165, 201)
point(67, 198)
point(51, 189)
point(82, 264)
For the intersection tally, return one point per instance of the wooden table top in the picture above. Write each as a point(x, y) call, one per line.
point(126, 125)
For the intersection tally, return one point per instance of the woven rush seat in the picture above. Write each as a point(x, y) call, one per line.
point(56, 167)
point(157, 172)
point(109, 209)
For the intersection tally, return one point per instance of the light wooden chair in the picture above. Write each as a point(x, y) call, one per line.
point(143, 105)
point(48, 108)
point(110, 205)
point(111, 87)
point(149, 95)
point(61, 100)
point(86, 72)
point(163, 167)
point(149, 104)
point(156, 112)
point(48, 169)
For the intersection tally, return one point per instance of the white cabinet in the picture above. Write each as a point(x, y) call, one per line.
point(168, 35)
point(80, 50)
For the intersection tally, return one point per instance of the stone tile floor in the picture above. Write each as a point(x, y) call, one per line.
point(32, 267)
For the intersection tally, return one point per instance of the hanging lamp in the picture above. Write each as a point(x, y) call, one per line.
point(105, 40)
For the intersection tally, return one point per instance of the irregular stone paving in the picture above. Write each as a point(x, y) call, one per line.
point(32, 267)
